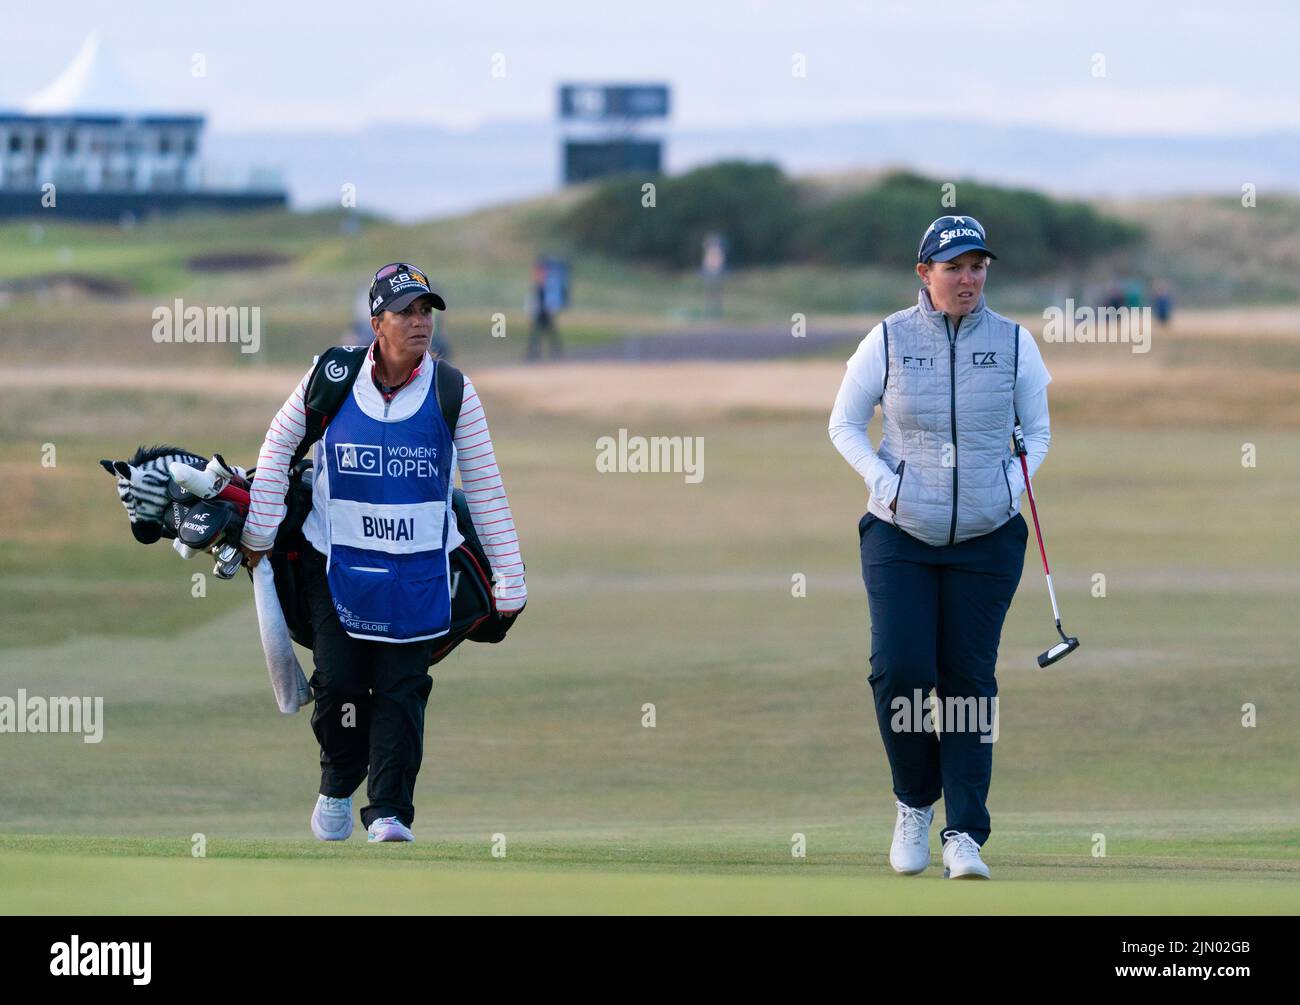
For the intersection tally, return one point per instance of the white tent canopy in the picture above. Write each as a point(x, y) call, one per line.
point(93, 84)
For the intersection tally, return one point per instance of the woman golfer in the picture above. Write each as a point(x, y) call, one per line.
point(380, 529)
point(943, 544)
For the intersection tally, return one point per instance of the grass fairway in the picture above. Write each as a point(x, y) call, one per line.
point(647, 590)
point(543, 876)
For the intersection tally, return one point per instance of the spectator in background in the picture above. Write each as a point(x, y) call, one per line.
point(1162, 303)
point(542, 305)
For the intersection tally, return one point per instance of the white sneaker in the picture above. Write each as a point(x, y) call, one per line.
point(331, 820)
point(388, 829)
point(910, 852)
point(961, 857)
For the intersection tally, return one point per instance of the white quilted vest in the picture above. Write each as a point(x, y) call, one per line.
point(948, 411)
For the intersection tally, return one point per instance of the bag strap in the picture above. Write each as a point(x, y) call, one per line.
point(331, 382)
point(449, 385)
point(328, 387)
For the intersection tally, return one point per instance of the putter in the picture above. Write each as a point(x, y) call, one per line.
point(1068, 643)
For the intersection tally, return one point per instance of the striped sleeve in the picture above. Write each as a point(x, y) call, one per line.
point(480, 479)
point(271, 480)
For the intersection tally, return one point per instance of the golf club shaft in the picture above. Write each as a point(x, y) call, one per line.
point(1068, 644)
point(1056, 613)
point(1042, 548)
point(1033, 509)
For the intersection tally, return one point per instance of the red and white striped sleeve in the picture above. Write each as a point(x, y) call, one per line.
point(480, 478)
point(271, 479)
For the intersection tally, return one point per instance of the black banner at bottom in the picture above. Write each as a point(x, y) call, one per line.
point(214, 953)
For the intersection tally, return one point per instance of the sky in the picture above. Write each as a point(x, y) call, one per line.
point(1209, 69)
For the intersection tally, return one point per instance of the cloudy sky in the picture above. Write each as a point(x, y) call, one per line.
point(1201, 68)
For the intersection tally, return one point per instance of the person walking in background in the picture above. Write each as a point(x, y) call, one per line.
point(942, 542)
point(1162, 303)
point(542, 305)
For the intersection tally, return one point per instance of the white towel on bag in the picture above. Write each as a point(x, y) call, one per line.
point(287, 679)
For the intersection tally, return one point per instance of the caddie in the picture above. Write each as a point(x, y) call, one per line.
point(381, 529)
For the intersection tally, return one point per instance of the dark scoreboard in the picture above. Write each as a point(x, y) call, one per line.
point(584, 160)
point(607, 102)
point(604, 119)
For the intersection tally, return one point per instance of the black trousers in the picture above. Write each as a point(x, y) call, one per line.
point(543, 328)
point(369, 711)
point(936, 621)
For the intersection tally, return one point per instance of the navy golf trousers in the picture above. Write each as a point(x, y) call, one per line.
point(936, 619)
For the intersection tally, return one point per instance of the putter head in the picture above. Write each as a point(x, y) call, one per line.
point(1058, 652)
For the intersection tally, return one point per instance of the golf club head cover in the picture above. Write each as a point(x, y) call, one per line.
point(233, 473)
point(287, 679)
point(205, 524)
point(238, 496)
point(211, 481)
point(143, 494)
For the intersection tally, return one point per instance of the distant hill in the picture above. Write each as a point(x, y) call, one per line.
point(306, 273)
point(412, 173)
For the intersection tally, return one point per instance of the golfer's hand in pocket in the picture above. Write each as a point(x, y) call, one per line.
point(252, 557)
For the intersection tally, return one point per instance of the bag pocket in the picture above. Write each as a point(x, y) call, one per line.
point(400, 601)
point(471, 591)
point(362, 596)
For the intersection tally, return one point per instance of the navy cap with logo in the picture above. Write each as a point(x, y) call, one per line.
point(396, 285)
point(950, 236)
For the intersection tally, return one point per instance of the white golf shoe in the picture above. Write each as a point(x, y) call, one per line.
point(388, 829)
point(331, 820)
point(910, 852)
point(961, 857)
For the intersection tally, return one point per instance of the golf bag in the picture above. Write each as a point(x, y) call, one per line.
point(212, 518)
point(201, 505)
